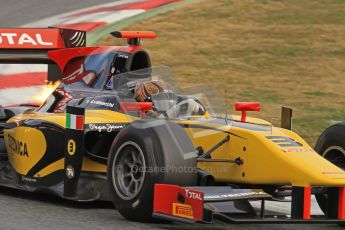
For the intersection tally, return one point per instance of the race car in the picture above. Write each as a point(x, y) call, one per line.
point(91, 140)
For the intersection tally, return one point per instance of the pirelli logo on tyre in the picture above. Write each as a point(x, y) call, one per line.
point(183, 210)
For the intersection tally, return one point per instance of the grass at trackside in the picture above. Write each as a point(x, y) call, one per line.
point(288, 52)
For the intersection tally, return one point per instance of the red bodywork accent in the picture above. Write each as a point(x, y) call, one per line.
point(246, 106)
point(76, 72)
point(63, 56)
point(136, 106)
point(168, 198)
point(17, 38)
point(341, 203)
point(307, 203)
point(137, 34)
point(65, 97)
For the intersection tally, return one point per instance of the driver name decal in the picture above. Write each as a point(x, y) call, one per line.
point(101, 103)
point(106, 127)
point(17, 146)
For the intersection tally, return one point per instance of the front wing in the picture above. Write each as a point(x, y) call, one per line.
point(206, 204)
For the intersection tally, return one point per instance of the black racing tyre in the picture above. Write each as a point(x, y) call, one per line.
point(144, 153)
point(3, 153)
point(2, 145)
point(331, 145)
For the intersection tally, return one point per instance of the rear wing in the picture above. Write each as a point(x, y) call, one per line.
point(31, 45)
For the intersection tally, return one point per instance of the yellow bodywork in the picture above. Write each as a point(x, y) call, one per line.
point(257, 143)
point(265, 162)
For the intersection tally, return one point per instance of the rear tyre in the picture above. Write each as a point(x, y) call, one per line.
point(3, 153)
point(145, 153)
point(331, 145)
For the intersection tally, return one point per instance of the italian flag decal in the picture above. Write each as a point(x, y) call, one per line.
point(74, 121)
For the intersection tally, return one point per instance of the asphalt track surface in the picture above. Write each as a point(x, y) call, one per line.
point(18, 12)
point(21, 210)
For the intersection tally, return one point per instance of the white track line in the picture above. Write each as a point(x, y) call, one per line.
point(108, 17)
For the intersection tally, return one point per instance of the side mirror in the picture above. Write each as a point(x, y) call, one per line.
point(246, 106)
point(3, 115)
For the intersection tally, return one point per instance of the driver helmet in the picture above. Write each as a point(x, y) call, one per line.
point(143, 92)
point(158, 92)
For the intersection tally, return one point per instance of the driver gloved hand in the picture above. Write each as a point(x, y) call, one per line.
point(193, 106)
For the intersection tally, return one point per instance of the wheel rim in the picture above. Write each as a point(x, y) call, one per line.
point(336, 155)
point(128, 170)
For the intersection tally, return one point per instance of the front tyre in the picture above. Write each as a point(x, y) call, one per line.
point(331, 145)
point(144, 153)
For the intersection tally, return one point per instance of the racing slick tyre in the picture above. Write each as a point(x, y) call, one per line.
point(331, 145)
point(3, 154)
point(144, 153)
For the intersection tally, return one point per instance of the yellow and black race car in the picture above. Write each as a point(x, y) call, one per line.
point(90, 140)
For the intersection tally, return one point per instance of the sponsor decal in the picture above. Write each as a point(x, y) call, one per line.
point(17, 146)
point(71, 147)
point(106, 127)
point(78, 39)
point(28, 179)
point(19, 38)
point(75, 122)
point(183, 210)
point(24, 38)
point(102, 103)
point(193, 195)
point(123, 56)
point(297, 150)
point(70, 172)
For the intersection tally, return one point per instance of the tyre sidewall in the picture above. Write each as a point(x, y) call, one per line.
point(159, 143)
point(137, 205)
